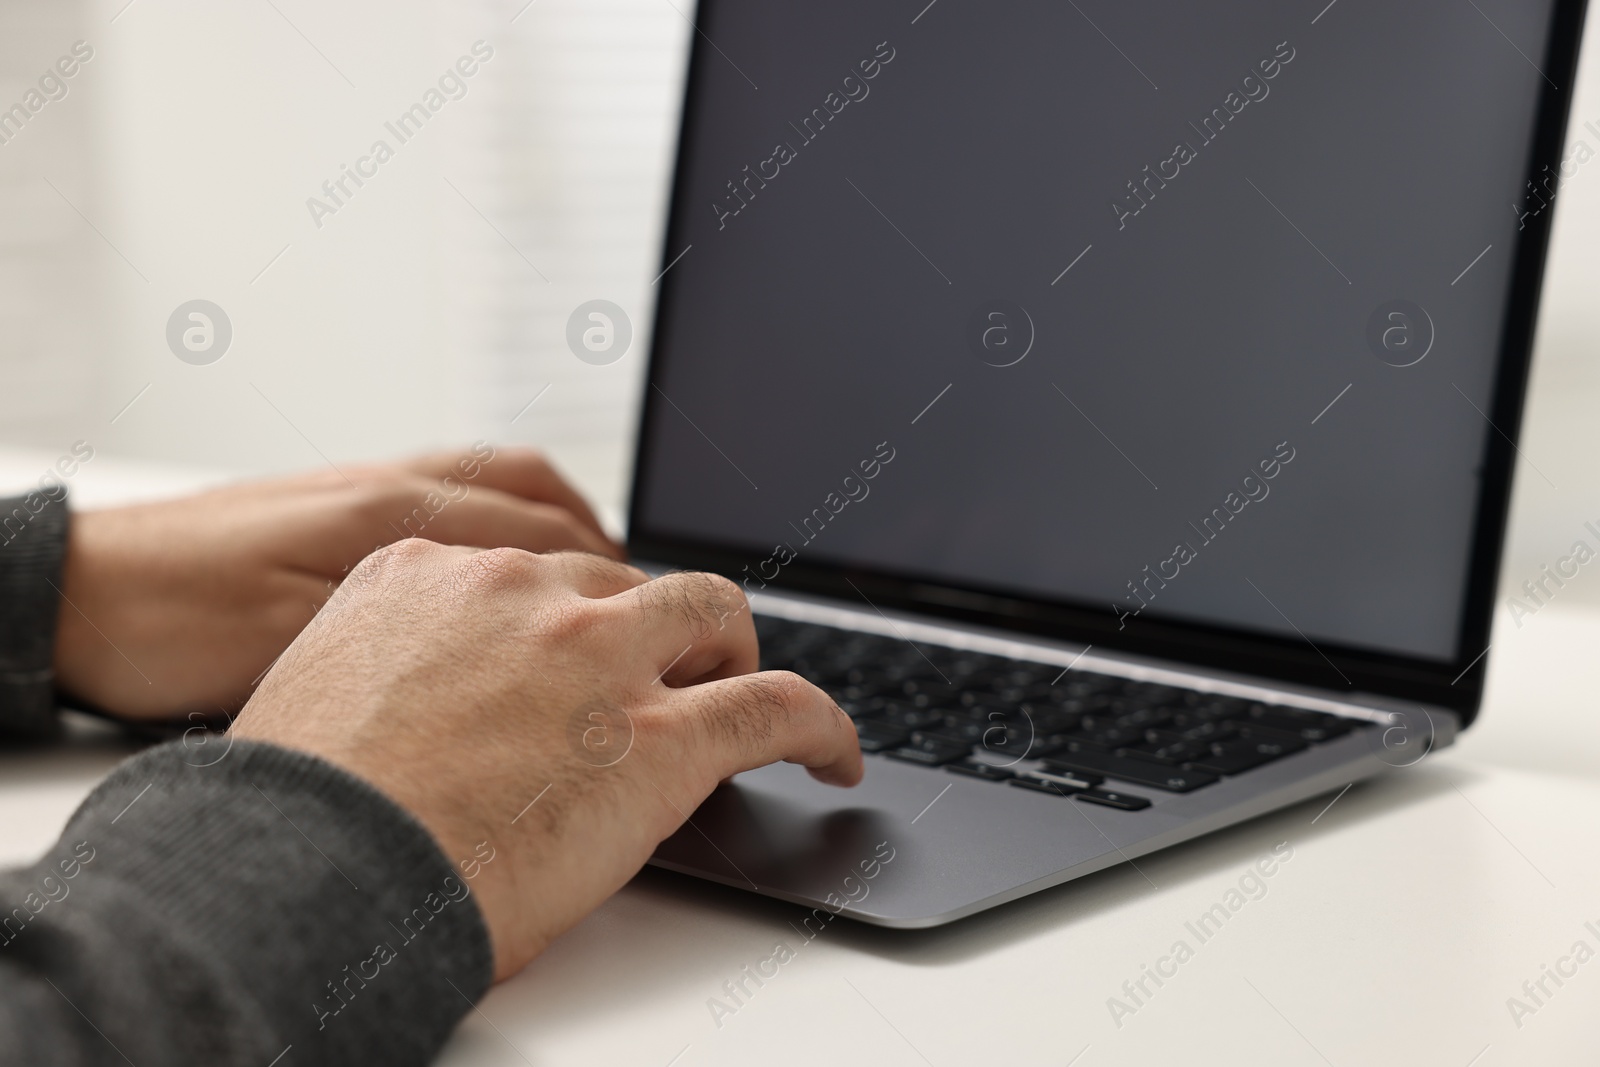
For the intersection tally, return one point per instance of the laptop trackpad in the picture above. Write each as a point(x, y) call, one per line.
point(907, 847)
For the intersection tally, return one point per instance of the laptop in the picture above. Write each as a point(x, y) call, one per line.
point(1112, 406)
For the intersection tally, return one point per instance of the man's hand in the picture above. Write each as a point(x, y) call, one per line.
point(178, 607)
point(561, 708)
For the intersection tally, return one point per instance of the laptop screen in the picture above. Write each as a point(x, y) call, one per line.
point(1169, 314)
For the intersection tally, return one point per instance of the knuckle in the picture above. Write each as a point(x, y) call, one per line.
point(744, 721)
point(498, 568)
point(783, 689)
point(408, 550)
point(665, 595)
point(699, 597)
point(725, 591)
point(404, 553)
point(405, 556)
point(785, 693)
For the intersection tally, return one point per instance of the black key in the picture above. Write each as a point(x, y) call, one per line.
point(1040, 785)
point(974, 769)
point(1112, 799)
point(1008, 695)
point(929, 751)
point(1236, 757)
point(1249, 731)
point(1092, 704)
point(866, 678)
point(1070, 779)
point(1208, 708)
point(1173, 752)
point(877, 736)
point(957, 729)
point(1208, 731)
point(1132, 769)
point(925, 672)
point(889, 672)
point(798, 638)
point(824, 668)
point(1151, 693)
point(967, 668)
point(874, 645)
point(898, 713)
point(1052, 721)
point(1022, 673)
point(1227, 763)
point(856, 709)
point(962, 713)
point(768, 627)
point(931, 690)
point(855, 694)
point(1019, 744)
point(1023, 718)
point(971, 697)
point(886, 691)
point(1155, 738)
point(1146, 718)
point(1106, 740)
point(998, 729)
point(1083, 683)
point(987, 676)
point(1307, 725)
point(970, 730)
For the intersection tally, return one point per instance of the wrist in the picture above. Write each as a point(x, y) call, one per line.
point(78, 657)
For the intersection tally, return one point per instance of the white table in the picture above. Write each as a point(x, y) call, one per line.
point(1411, 911)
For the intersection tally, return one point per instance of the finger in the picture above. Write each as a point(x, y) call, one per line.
point(750, 721)
point(492, 519)
point(690, 627)
point(595, 577)
point(519, 471)
point(328, 533)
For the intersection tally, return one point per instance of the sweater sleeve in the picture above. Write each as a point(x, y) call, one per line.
point(264, 908)
point(33, 539)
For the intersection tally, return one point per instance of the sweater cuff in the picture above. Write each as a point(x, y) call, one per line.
point(33, 541)
point(333, 913)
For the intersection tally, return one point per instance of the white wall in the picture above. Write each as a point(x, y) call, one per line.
point(412, 316)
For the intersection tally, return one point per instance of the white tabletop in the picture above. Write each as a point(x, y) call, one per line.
point(1411, 911)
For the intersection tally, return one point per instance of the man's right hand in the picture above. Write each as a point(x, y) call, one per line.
point(467, 684)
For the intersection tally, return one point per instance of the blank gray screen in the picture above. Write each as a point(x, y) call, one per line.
point(863, 186)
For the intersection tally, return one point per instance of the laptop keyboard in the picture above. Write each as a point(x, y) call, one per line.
point(1035, 725)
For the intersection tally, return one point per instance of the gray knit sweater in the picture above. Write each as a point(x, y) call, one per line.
point(265, 908)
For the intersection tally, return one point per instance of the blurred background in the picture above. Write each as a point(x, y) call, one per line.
point(430, 308)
